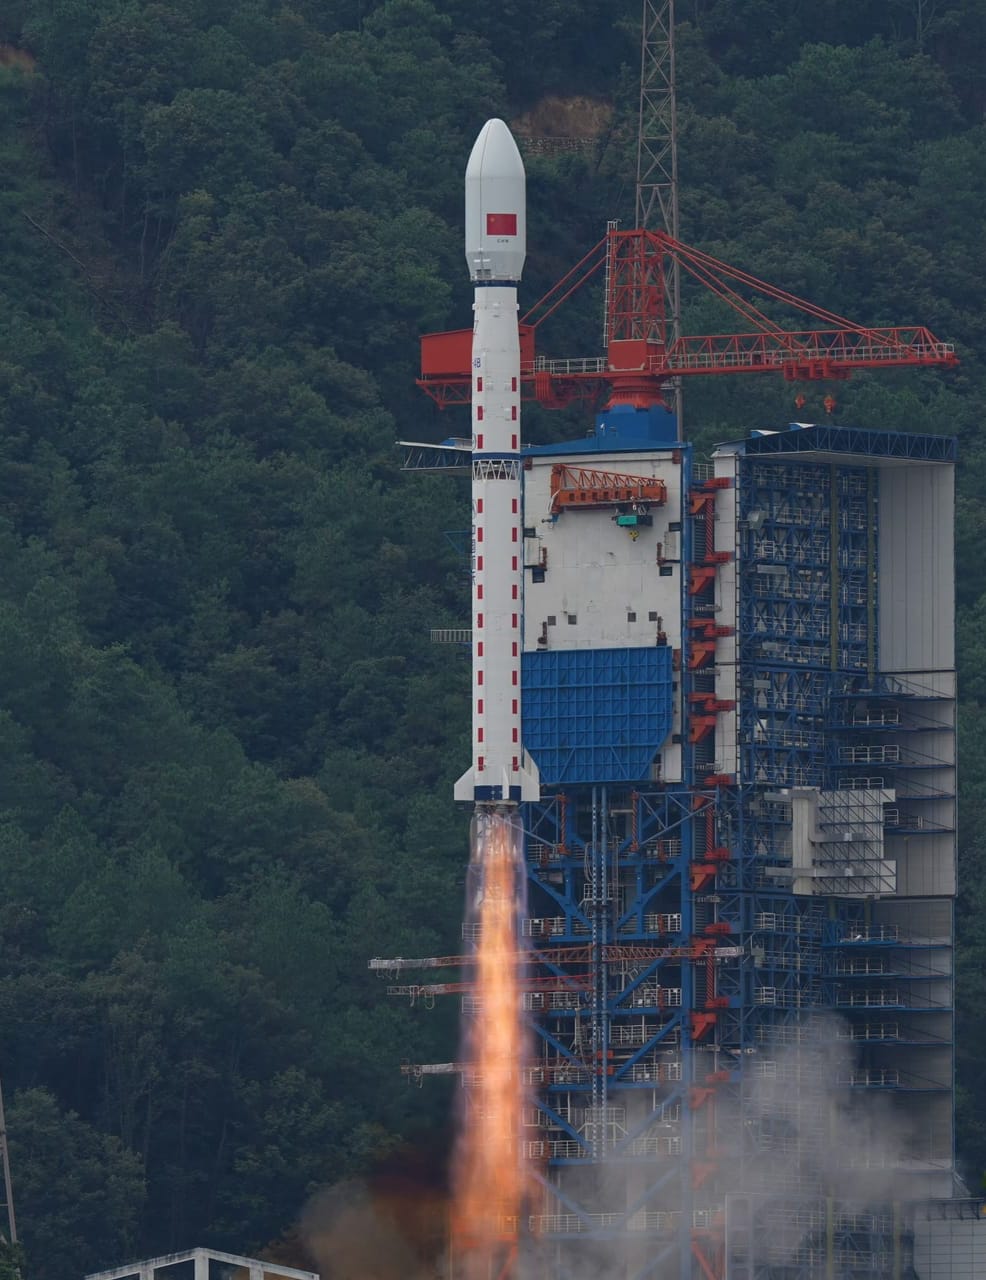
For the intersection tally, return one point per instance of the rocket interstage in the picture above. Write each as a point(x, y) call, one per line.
point(496, 245)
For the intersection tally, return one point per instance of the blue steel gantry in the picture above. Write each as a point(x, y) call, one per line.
point(741, 867)
point(768, 1031)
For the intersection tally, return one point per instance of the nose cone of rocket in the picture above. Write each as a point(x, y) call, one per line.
point(496, 203)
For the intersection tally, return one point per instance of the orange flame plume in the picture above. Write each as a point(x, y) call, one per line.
point(491, 1180)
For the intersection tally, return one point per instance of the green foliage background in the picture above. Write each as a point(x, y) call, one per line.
point(226, 744)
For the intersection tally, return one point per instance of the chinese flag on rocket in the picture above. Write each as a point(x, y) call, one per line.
point(501, 224)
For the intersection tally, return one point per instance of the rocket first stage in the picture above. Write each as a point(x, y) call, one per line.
point(496, 245)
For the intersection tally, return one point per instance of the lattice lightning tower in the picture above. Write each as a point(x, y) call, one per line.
point(657, 149)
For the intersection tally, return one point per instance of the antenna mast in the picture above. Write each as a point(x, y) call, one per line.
point(657, 152)
point(5, 1163)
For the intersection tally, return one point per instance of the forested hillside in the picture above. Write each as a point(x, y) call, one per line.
point(226, 744)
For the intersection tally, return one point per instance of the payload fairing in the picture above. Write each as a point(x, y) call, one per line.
point(496, 245)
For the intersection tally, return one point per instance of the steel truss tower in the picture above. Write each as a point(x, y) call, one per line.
point(741, 703)
point(657, 150)
point(738, 687)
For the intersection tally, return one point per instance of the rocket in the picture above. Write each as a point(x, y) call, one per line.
point(496, 244)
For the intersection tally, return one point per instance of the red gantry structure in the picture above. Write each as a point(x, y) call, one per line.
point(642, 356)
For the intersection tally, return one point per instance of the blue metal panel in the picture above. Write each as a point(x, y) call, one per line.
point(620, 429)
point(829, 438)
point(596, 715)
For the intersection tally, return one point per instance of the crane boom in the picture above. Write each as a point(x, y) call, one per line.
point(644, 353)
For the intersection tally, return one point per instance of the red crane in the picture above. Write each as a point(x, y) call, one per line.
point(641, 353)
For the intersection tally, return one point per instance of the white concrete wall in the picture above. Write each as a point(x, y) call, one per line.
point(916, 567)
point(926, 862)
point(601, 586)
point(950, 1249)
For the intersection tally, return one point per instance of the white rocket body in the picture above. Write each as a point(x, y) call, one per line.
point(496, 245)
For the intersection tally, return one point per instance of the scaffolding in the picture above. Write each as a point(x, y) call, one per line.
point(798, 991)
point(851, 997)
point(733, 981)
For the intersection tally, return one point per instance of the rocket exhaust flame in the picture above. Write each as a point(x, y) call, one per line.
point(490, 1173)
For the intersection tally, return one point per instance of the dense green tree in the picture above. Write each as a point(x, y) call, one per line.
point(226, 742)
point(79, 1191)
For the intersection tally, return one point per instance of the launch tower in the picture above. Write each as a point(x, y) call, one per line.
point(723, 704)
point(738, 689)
